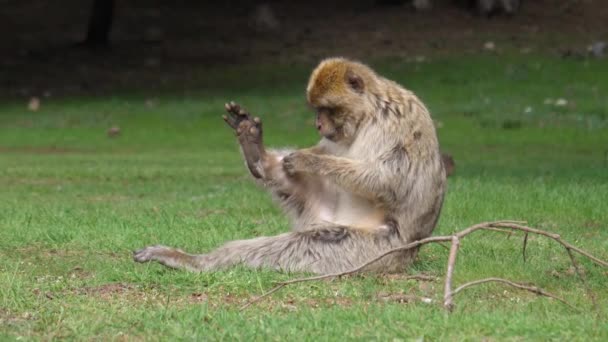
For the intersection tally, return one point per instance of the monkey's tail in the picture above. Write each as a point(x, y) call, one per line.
point(324, 250)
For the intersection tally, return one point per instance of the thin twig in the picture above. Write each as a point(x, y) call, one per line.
point(257, 299)
point(533, 289)
point(454, 238)
point(280, 285)
point(523, 250)
point(447, 290)
point(506, 231)
point(443, 245)
point(583, 278)
point(421, 277)
point(553, 236)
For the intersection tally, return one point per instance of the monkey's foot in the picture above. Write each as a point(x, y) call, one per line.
point(249, 132)
point(167, 256)
point(150, 253)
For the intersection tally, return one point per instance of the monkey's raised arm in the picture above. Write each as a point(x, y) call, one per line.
point(248, 130)
point(266, 165)
point(262, 164)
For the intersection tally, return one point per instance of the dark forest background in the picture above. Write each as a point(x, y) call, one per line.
point(62, 47)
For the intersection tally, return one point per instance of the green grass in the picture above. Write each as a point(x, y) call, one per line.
point(74, 203)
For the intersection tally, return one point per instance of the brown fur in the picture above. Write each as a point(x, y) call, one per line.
point(375, 181)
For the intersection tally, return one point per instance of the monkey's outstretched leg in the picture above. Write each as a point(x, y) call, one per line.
point(323, 250)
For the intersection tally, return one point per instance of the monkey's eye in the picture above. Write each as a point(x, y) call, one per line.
point(326, 111)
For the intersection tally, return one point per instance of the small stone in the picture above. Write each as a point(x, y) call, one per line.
point(489, 46)
point(113, 131)
point(419, 59)
point(150, 103)
point(33, 104)
point(597, 49)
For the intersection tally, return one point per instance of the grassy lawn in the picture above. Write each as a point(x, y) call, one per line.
point(75, 203)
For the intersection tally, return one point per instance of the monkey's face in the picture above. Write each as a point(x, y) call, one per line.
point(330, 123)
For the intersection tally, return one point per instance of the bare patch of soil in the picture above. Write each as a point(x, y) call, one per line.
point(107, 291)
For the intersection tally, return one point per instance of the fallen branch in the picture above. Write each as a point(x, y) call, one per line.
point(501, 226)
point(266, 294)
point(523, 249)
point(553, 236)
point(421, 277)
point(583, 278)
point(532, 289)
point(447, 290)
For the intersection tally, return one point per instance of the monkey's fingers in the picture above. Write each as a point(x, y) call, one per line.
point(231, 121)
point(233, 118)
point(236, 114)
point(258, 124)
point(235, 109)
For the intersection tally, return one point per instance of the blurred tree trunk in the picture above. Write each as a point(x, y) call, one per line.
point(100, 22)
point(390, 2)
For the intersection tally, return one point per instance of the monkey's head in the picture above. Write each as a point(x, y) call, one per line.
point(337, 91)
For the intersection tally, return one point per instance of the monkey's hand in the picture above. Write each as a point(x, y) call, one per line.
point(300, 162)
point(248, 130)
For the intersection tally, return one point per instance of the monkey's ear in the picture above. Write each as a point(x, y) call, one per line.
point(355, 82)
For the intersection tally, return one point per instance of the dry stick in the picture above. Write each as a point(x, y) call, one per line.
point(443, 245)
point(508, 224)
point(553, 236)
point(437, 239)
point(506, 231)
point(569, 248)
point(447, 290)
point(583, 278)
point(533, 289)
point(421, 277)
point(523, 250)
point(257, 299)
point(411, 245)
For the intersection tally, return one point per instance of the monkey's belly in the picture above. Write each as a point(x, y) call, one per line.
point(359, 213)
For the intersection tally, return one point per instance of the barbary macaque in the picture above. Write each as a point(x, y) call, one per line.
point(375, 180)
